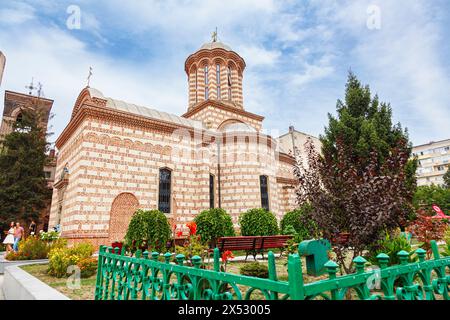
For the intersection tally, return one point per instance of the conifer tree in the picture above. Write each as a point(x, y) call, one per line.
point(23, 186)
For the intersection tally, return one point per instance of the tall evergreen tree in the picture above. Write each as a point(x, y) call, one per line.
point(23, 186)
point(447, 178)
point(365, 124)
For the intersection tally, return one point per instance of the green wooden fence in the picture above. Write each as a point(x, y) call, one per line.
point(146, 277)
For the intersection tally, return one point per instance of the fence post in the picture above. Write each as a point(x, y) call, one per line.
point(295, 275)
point(272, 272)
point(99, 280)
point(216, 260)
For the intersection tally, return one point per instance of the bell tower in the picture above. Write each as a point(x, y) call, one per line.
point(215, 73)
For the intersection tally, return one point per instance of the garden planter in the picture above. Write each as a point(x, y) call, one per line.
point(117, 244)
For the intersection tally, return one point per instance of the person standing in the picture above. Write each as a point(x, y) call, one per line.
point(32, 228)
point(9, 239)
point(18, 234)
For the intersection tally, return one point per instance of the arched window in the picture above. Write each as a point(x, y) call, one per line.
point(229, 83)
point(19, 117)
point(206, 82)
point(218, 80)
point(263, 182)
point(164, 190)
point(211, 191)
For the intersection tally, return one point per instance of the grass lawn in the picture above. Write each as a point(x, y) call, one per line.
point(85, 292)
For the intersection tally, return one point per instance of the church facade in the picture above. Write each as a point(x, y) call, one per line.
point(115, 157)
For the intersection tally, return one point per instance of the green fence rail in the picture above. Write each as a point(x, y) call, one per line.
point(145, 277)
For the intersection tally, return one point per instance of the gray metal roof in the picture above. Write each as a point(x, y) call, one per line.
point(214, 45)
point(144, 111)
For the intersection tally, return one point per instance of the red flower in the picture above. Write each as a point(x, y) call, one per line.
point(227, 255)
point(192, 227)
point(179, 233)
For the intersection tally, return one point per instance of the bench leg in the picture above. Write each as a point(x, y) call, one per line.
point(246, 255)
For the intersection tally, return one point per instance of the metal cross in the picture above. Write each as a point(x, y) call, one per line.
point(89, 76)
point(214, 36)
point(31, 87)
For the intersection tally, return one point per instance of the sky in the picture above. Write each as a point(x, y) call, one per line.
point(298, 54)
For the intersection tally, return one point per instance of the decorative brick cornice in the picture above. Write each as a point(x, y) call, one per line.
point(90, 109)
point(284, 157)
point(220, 105)
point(212, 54)
point(288, 181)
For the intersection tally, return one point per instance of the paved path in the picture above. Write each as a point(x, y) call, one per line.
point(1, 288)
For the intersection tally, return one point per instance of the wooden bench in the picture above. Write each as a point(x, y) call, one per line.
point(252, 244)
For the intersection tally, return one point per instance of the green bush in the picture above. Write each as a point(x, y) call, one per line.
point(446, 251)
point(390, 245)
point(31, 248)
point(49, 236)
point(258, 222)
point(61, 258)
point(213, 224)
point(88, 267)
point(255, 269)
point(303, 230)
point(151, 227)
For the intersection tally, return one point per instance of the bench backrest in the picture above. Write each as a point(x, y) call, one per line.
point(237, 243)
point(252, 242)
point(271, 242)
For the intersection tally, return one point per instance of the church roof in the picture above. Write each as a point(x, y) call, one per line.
point(214, 45)
point(144, 111)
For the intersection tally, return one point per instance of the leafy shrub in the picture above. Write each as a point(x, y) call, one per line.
point(213, 224)
point(88, 267)
point(31, 248)
point(390, 245)
point(49, 236)
point(427, 229)
point(150, 227)
point(446, 251)
point(193, 247)
point(301, 227)
point(258, 222)
point(61, 258)
point(255, 269)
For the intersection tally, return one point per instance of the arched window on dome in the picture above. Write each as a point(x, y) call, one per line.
point(196, 85)
point(229, 83)
point(218, 80)
point(206, 83)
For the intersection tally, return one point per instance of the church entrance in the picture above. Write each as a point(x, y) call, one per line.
point(122, 209)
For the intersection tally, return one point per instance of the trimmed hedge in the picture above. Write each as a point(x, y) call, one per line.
point(151, 227)
point(213, 224)
point(294, 219)
point(258, 222)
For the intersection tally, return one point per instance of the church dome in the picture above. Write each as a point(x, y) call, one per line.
point(215, 45)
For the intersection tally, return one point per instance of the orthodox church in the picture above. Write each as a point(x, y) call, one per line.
point(115, 157)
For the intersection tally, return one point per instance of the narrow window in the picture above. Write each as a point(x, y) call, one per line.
point(264, 192)
point(196, 86)
point(218, 80)
point(164, 190)
point(211, 191)
point(206, 82)
point(229, 83)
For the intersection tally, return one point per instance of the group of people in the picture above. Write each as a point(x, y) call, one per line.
point(15, 234)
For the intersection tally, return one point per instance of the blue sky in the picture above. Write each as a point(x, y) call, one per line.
point(298, 54)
